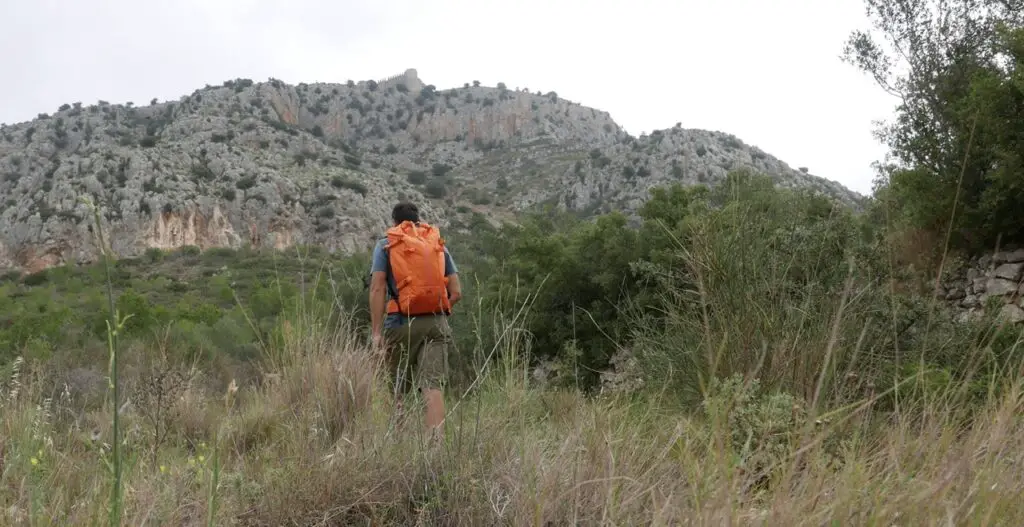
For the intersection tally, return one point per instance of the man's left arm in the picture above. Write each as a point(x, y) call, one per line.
point(452, 273)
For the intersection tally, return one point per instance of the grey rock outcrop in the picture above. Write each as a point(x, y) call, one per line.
point(270, 164)
point(1009, 271)
point(1012, 313)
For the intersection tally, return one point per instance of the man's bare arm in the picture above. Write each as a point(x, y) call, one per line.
point(454, 289)
point(378, 301)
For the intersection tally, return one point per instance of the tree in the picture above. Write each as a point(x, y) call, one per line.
point(956, 68)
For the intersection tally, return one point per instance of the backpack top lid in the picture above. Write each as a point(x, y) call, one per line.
point(421, 230)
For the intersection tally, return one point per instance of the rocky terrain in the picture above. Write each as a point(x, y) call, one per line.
point(271, 164)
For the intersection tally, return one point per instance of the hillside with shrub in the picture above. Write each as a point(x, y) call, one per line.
point(268, 164)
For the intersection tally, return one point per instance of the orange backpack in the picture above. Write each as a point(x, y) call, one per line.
point(416, 257)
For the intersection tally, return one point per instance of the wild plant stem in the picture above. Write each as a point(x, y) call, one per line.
point(113, 326)
point(211, 506)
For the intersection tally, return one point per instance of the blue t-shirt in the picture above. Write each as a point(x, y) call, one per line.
point(380, 263)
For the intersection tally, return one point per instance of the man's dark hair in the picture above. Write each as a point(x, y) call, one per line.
point(405, 211)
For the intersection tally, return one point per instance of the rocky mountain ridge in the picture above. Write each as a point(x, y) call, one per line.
point(272, 164)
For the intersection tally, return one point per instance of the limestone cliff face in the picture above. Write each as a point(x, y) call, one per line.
point(273, 165)
point(191, 227)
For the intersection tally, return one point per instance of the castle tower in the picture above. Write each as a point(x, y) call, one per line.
point(412, 80)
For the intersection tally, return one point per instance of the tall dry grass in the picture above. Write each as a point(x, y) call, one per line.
point(314, 442)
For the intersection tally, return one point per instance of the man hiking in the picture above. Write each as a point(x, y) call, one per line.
point(413, 286)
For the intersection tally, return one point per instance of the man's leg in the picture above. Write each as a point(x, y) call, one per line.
point(432, 368)
point(435, 412)
point(399, 362)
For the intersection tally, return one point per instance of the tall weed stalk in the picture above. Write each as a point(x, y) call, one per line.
point(115, 323)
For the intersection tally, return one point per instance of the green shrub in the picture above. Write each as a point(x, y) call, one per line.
point(246, 183)
point(355, 186)
point(417, 177)
point(440, 170)
point(763, 427)
point(435, 189)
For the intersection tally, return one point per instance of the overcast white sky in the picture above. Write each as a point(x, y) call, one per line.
point(766, 71)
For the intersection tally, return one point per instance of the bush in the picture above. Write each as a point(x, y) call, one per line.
point(353, 161)
point(579, 274)
point(440, 170)
point(355, 186)
point(246, 183)
point(436, 189)
point(417, 177)
point(763, 428)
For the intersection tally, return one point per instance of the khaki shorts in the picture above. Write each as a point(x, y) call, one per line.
point(417, 353)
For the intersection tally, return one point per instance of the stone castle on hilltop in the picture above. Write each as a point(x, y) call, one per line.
point(410, 79)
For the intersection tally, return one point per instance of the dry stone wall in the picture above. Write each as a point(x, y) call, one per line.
point(989, 282)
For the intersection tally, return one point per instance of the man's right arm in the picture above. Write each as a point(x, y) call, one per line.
point(378, 291)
